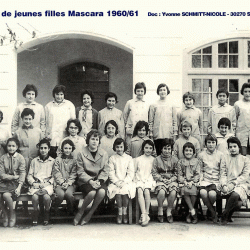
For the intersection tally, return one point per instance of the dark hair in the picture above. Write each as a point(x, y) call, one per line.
point(234, 140)
point(167, 142)
point(76, 122)
point(57, 89)
point(1, 116)
point(140, 85)
point(43, 141)
point(110, 95)
point(26, 112)
point(188, 95)
point(149, 142)
point(112, 122)
point(222, 91)
point(224, 121)
point(210, 137)
point(95, 133)
point(68, 141)
point(186, 124)
point(139, 125)
point(244, 86)
point(188, 145)
point(87, 92)
point(30, 87)
point(162, 85)
point(14, 140)
point(119, 141)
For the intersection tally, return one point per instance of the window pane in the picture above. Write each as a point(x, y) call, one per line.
point(205, 113)
point(223, 84)
point(233, 47)
point(207, 61)
point(207, 50)
point(196, 61)
point(233, 85)
point(94, 74)
point(196, 85)
point(233, 98)
point(207, 99)
point(233, 61)
point(222, 48)
point(197, 52)
point(197, 99)
point(223, 61)
point(207, 85)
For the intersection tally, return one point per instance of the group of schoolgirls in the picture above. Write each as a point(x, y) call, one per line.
point(113, 152)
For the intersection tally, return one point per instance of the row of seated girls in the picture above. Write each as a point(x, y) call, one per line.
point(136, 148)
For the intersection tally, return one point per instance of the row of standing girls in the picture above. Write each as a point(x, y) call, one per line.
point(162, 117)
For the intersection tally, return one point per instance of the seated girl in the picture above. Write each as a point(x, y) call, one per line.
point(144, 179)
point(12, 176)
point(121, 175)
point(64, 172)
point(41, 181)
point(188, 177)
point(165, 174)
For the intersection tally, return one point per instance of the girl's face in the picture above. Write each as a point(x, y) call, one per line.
point(167, 151)
point(140, 93)
point(163, 92)
point(67, 149)
point(44, 149)
point(223, 130)
point(233, 149)
point(30, 96)
point(211, 145)
point(188, 153)
point(59, 97)
point(93, 142)
point(111, 130)
point(148, 150)
point(186, 131)
point(86, 100)
point(27, 120)
point(246, 94)
point(73, 129)
point(142, 132)
point(11, 147)
point(119, 149)
point(222, 98)
point(189, 102)
point(111, 102)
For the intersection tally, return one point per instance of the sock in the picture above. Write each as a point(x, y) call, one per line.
point(160, 210)
point(192, 211)
point(169, 211)
point(124, 210)
point(119, 210)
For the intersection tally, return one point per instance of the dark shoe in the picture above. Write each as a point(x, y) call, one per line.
point(35, 217)
point(160, 218)
point(46, 218)
point(119, 219)
point(224, 219)
point(125, 219)
point(12, 221)
point(195, 218)
point(5, 219)
point(170, 219)
point(77, 219)
point(188, 218)
point(215, 218)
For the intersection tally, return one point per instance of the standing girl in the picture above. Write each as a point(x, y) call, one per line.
point(165, 174)
point(188, 177)
point(41, 180)
point(144, 179)
point(139, 136)
point(107, 141)
point(87, 115)
point(64, 172)
point(12, 176)
point(242, 110)
point(162, 118)
point(121, 175)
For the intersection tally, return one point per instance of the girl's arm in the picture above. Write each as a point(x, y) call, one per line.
point(199, 157)
point(176, 149)
point(47, 121)
point(72, 111)
point(197, 171)
point(73, 174)
point(130, 171)
point(112, 173)
point(155, 172)
point(22, 170)
point(3, 174)
point(30, 175)
point(175, 170)
point(200, 121)
point(128, 151)
point(209, 125)
point(223, 171)
point(15, 120)
point(56, 172)
point(233, 120)
point(95, 119)
point(121, 127)
point(42, 121)
point(151, 117)
point(237, 111)
point(126, 112)
point(181, 177)
point(244, 175)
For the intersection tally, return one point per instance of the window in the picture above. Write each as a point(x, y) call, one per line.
point(202, 90)
point(232, 86)
point(202, 58)
point(228, 55)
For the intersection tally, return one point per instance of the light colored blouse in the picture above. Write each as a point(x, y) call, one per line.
point(107, 143)
point(222, 142)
